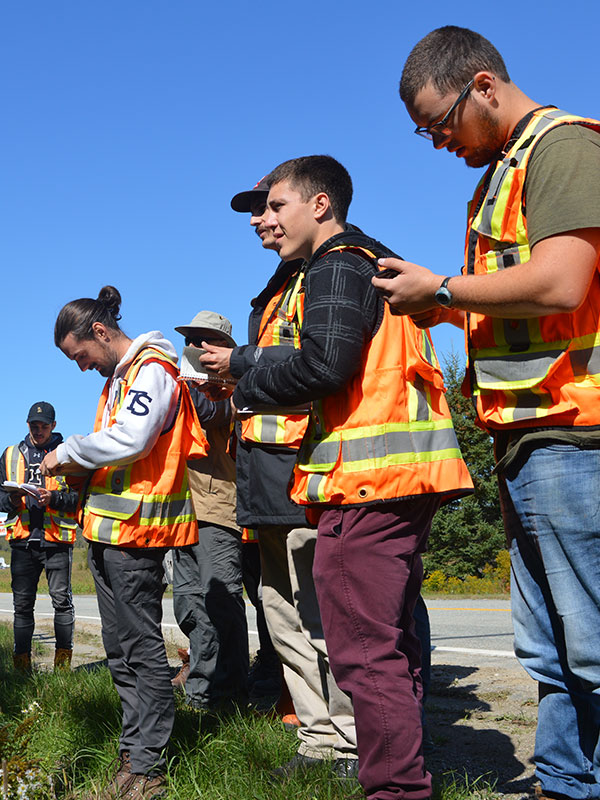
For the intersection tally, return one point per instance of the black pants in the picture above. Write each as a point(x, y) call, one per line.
point(129, 589)
point(209, 607)
point(26, 566)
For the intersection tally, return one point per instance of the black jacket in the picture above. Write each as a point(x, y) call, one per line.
point(263, 473)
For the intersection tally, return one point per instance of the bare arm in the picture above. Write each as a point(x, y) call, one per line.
point(555, 280)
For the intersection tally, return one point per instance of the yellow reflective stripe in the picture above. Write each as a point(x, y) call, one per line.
point(106, 530)
point(12, 463)
point(315, 489)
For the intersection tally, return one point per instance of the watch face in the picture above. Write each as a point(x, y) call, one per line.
point(443, 296)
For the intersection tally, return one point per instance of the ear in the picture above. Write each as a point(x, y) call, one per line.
point(322, 205)
point(485, 85)
point(53, 425)
point(100, 332)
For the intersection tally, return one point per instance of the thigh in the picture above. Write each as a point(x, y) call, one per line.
point(58, 573)
point(25, 569)
point(225, 548)
point(556, 550)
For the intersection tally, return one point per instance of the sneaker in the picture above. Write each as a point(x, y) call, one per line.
point(298, 763)
point(265, 675)
point(145, 787)
point(345, 768)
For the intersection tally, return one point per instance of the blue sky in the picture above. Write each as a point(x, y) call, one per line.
point(128, 126)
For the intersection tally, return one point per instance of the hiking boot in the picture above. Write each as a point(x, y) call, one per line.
point(298, 763)
point(22, 662)
point(264, 677)
point(179, 680)
point(540, 794)
point(119, 781)
point(62, 659)
point(345, 768)
point(145, 787)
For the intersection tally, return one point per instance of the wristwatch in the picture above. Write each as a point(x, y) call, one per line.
point(443, 295)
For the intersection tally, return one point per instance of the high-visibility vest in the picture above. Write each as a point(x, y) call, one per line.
point(59, 526)
point(147, 503)
point(280, 325)
point(388, 433)
point(538, 371)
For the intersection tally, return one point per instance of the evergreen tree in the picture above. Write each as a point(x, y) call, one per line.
point(467, 534)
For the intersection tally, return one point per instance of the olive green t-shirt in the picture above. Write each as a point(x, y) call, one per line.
point(562, 187)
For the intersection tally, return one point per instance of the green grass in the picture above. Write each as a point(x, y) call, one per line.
point(64, 728)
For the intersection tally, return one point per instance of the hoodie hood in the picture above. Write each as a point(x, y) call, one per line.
point(151, 339)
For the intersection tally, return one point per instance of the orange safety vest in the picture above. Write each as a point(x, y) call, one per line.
point(147, 503)
point(280, 325)
point(538, 371)
point(388, 434)
point(59, 526)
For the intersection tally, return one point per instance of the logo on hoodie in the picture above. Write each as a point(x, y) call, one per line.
point(137, 405)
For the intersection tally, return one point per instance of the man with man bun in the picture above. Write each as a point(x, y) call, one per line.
point(137, 506)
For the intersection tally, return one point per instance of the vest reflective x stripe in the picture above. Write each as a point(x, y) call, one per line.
point(280, 325)
point(147, 503)
point(527, 372)
point(388, 434)
point(59, 526)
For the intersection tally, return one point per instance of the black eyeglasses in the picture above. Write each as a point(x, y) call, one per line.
point(436, 131)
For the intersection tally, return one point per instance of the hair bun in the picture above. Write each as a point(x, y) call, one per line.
point(111, 300)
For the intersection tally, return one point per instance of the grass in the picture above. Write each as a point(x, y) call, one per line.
point(59, 733)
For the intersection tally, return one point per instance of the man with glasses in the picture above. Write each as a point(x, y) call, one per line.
point(529, 297)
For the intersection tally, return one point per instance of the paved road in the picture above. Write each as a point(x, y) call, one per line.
point(470, 631)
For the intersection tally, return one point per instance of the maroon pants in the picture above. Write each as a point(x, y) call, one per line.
point(368, 574)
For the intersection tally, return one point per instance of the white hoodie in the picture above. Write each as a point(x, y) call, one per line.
point(149, 407)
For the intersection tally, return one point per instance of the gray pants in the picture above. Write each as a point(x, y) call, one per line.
point(292, 612)
point(26, 566)
point(209, 607)
point(129, 590)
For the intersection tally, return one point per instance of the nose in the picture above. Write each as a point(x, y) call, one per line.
point(439, 139)
point(270, 220)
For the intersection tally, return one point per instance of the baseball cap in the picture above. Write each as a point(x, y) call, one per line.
point(41, 412)
point(208, 321)
point(243, 200)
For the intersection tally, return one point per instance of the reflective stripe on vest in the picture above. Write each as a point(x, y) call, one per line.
point(117, 512)
point(514, 361)
point(59, 526)
point(388, 434)
point(281, 324)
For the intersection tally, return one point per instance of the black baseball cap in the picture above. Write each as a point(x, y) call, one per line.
point(41, 412)
point(243, 200)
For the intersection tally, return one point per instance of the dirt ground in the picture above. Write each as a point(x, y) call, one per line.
point(481, 713)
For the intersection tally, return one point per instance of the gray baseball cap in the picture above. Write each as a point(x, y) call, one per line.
point(209, 322)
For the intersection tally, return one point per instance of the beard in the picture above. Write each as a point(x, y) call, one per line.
point(490, 135)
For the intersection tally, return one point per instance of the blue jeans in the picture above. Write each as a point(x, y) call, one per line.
point(552, 513)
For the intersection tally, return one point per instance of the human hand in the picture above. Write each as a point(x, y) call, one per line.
point(50, 465)
point(215, 391)
point(217, 359)
point(43, 498)
point(412, 291)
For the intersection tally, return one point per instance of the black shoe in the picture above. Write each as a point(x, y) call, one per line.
point(298, 763)
point(345, 768)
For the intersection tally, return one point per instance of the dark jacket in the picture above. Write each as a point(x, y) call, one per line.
point(263, 473)
point(59, 500)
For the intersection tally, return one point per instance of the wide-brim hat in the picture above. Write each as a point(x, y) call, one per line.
point(209, 322)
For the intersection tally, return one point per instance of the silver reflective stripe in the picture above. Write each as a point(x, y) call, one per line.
point(429, 354)
point(116, 480)
point(103, 528)
point(113, 503)
point(422, 405)
point(14, 460)
point(312, 488)
point(526, 405)
point(324, 452)
point(268, 431)
point(516, 332)
point(395, 442)
point(525, 368)
point(165, 511)
point(585, 362)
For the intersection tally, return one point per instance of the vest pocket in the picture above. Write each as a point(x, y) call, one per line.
point(114, 506)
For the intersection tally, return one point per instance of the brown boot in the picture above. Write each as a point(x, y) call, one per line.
point(22, 662)
point(179, 680)
point(62, 659)
point(120, 781)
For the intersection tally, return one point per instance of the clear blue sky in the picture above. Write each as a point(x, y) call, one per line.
point(128, 126)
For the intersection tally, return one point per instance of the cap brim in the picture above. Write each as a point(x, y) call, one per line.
point(243, 201)
point(188, 332)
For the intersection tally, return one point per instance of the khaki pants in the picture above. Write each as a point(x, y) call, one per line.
point(294, 622)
